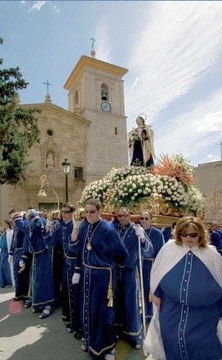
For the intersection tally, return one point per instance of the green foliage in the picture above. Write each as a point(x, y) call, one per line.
point(18, 127)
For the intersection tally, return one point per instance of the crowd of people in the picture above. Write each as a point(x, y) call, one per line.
point(91, 268)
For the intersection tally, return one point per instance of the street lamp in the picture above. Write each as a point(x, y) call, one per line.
point(42, 192)
point(66, 170)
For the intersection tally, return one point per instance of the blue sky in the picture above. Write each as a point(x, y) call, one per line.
point(172, 49)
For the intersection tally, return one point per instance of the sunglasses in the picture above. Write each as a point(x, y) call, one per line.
point(144, 218)
point(122, 215)
point(66, 211)
point(192, 235)
point(90, 212)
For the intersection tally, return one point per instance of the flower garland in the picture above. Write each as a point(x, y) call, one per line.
point(169, 185)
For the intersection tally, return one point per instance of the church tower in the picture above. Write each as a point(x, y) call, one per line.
point(96, 93)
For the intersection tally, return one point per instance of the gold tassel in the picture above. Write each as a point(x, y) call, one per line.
point(150, 297)
point(110, 295)
point(110, 290)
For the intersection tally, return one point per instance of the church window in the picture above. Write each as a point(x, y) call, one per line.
point(78, 173)
point(104, 92)
point(76, 97)
point(116, 131)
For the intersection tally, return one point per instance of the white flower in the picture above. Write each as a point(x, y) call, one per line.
point(130, 183)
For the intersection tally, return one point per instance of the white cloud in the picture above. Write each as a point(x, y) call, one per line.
point(211, 122)
point(54, 7)
point(212, 158)
point(37, 5)
point(170, 48)
point(103, 45)
point(177, 45)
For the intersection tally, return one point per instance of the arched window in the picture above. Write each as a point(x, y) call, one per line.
point(104, 92)
point(76, 97)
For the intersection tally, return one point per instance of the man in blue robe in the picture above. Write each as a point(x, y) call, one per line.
point(100, 249)
point(156, 238)
point(42, 283)
point(215, 238)
point(60, 238)
point(22, 278)
point(128, 317)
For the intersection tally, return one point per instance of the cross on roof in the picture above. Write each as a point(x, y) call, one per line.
point(93, 42)
point(47, 86)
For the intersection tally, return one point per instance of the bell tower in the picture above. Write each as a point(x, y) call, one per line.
point(96, 93)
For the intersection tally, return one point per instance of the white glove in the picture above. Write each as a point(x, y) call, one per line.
point(21, 263)
point(10, 258)
point(77, 223)
point(49, 223)
point(139, 231)
point(75, 278)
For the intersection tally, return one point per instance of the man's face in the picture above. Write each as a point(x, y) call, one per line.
point(210, 227)
point(92, 214)
point(66, 214)
point(123, 217)
point(145, 220)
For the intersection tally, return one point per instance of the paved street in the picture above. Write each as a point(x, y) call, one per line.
point(24, 336)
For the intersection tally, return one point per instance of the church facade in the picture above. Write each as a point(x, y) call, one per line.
point(91, 135)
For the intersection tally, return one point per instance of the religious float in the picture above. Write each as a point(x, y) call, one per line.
point(166, 189)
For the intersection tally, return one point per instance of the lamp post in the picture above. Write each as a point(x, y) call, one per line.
point(66, 170)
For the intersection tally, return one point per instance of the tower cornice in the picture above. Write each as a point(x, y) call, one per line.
point(86, 61)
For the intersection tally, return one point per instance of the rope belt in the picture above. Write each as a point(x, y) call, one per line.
point(70, 257)
point(38, 252)
point(110, 288)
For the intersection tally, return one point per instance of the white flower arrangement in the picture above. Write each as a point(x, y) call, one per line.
point(97, 190)
point(132, 185)
point(195, 200)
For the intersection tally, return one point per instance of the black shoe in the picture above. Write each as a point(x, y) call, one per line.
point(77, 335)
point(69, 329)
point(28, 303)
point(84, 348)
point(46, 312)
point(35, 311)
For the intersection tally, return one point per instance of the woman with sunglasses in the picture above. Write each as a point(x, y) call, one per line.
point(186, 283)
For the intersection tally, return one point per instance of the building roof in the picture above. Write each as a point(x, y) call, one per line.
point(86, 61)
